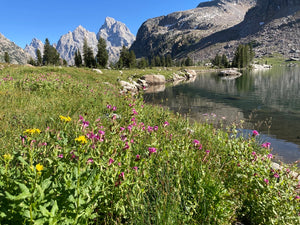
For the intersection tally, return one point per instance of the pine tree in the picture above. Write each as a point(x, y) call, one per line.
point(124, 58)
point(224, 61)
point(78, 58)
point(169, 62)
point(88, 55)
point(188, 61)
point(39, 59)
point(131, 60)
point(102, 55)
point(6, 57)
point(51, 56)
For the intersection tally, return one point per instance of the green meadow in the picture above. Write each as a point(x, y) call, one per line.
point(73, 150)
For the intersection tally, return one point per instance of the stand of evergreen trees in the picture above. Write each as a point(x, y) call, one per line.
point(243, 57)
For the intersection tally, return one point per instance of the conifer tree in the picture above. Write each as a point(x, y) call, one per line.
point(51, 56)
point(88, 55)
point(102, 55)
point(6, 57)
point(39, 59)
point(132, 60)
point(78, 58)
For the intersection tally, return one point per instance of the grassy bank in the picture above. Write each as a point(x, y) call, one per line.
point(75, 151)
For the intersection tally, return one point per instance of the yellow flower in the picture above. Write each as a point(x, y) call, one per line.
point(7, 157)
point(81, 139)
point(65, 119)
point(39, 167)
point(32, 131)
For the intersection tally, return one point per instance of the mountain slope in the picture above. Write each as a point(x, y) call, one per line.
point(172, 33)
point(16, 54)
point(219, 26)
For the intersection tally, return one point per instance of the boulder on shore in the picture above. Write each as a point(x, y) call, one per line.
point(154, 79)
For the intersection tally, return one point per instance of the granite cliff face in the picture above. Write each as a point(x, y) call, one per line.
point(220, 25)
point(33, 46)
point(114, 32)
point(69, 43)
point(174, 32)
point(16, 54)
point(116, 35)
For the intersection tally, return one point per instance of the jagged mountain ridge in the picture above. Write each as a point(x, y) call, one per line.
point(33, 46)
point(171, 33)
point(114, 32)
point(69, 43)
point(16, 54)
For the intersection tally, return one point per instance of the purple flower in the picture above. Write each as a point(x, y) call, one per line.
point(297, 197)
point(134, 112)
point(150, 129)
point(152, 150)
point(126, 146)
point(135, 168)
point(90, 160)
point(155, 128)
point(114, 108)
point(166, 124)
point(122, 128)
point(122, 175)
point(253, 153)
point(207, 151)
point(270, 156)
point(101, 132)
point(255, 133)
point(108, 106)
point(196, 142)
point(266, 145)
point(276, 175)
point(60, 156)
point(110, 161)
point(137, 157)
point(266, 181)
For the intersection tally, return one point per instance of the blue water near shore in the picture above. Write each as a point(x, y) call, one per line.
point(267, 101)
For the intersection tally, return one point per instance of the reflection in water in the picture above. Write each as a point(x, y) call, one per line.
point(268, 101)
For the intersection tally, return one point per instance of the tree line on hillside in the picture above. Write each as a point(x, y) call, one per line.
point(243, 57)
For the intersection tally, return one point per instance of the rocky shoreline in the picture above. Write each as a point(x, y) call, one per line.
point(156, 82)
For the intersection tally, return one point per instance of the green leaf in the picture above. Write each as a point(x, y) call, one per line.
point(44, 211)
point(18, 197)
point(54, 209)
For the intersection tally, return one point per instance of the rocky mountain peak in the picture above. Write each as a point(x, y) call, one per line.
point(69, 43)
point(33, 46)
point(115, 33)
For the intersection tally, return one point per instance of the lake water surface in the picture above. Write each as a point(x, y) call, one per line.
point(268, 101)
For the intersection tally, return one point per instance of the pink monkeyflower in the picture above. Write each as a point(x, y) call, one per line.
point(166, 123)
point(129, 128)
point(196, 142)
point(60, 156)
point(108, 106)
point(150, 129)
point(114, 108)
point(101, 132)
point(90, 160)
point(126, 146)
point(155, 128)
point(255, 133)
point(110, 161)
point(122, 128)
point(134, 112)
point(137, 157)
point(266, 181)
point(152, 150)
point(276, 175)
point(135, 168)
point(122, 175)
point(207, 151)
point(266, 145)
point(297, 197)
point(270, 156)
point(131, 141)
point(253, 153)
point(133, 119)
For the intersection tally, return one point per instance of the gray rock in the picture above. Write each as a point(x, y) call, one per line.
point(33, 46)
point(69, 43)
point(117, 35)
point(154, 79)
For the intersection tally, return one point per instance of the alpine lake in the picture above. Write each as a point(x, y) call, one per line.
point(264, 100)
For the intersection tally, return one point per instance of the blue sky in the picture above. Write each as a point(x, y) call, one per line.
point(22, 20)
